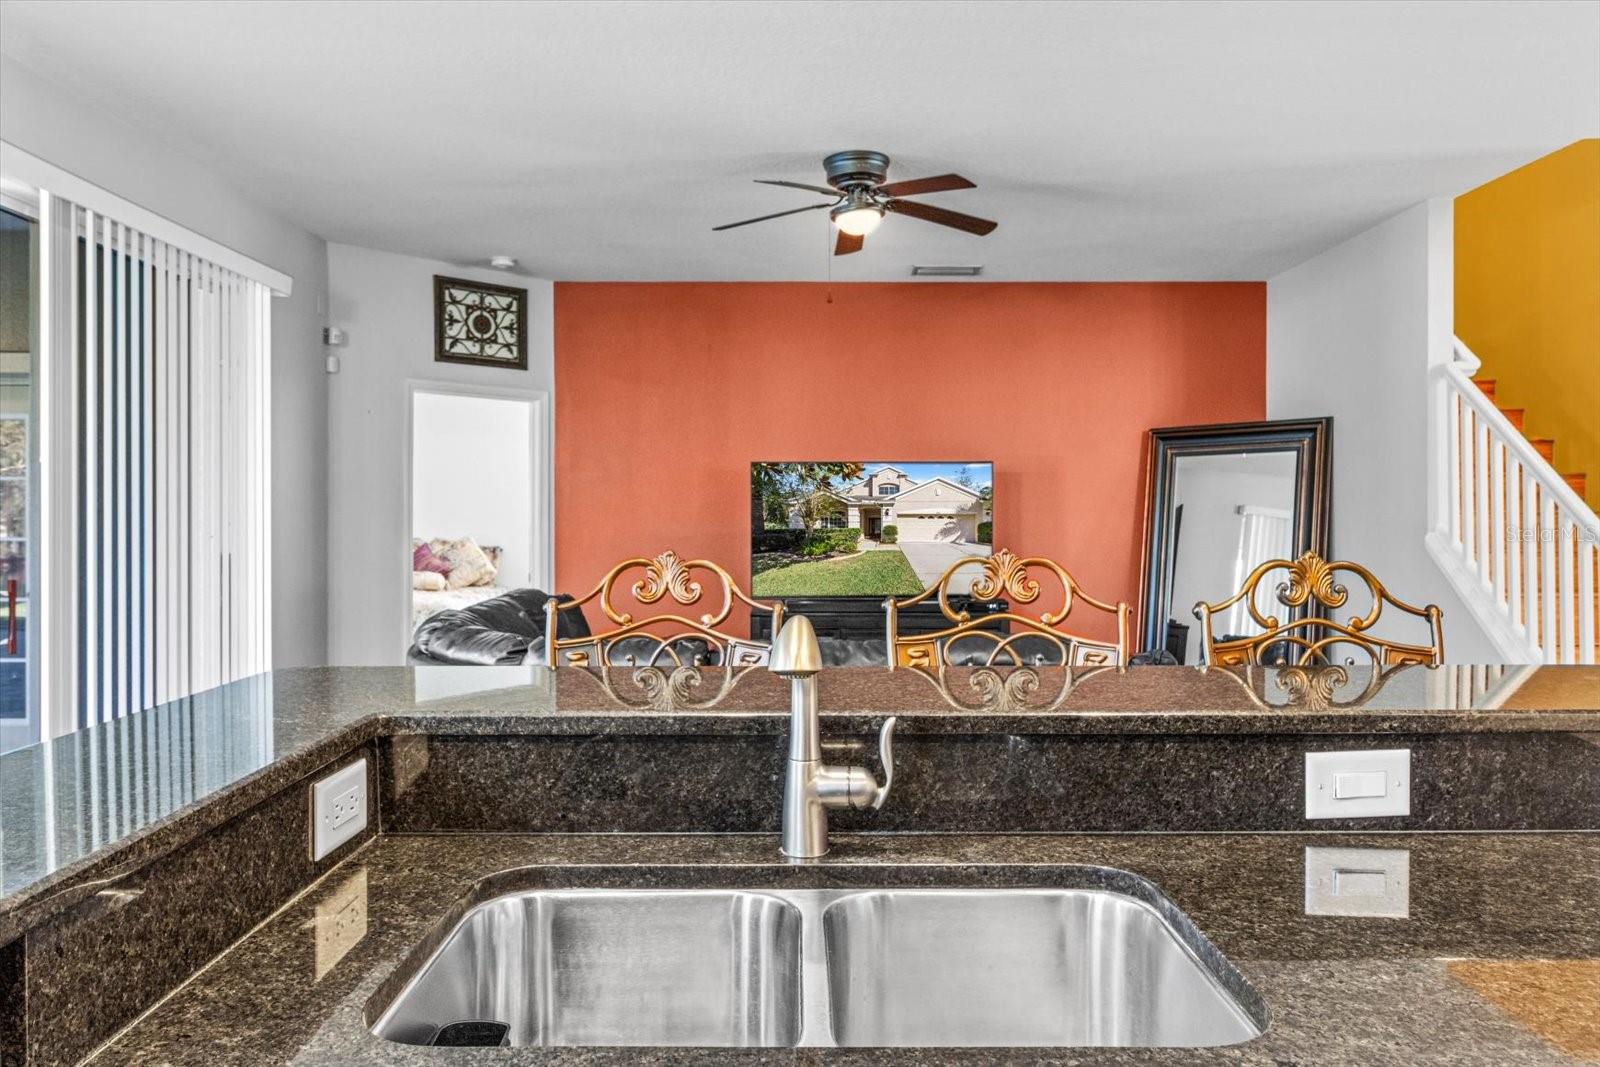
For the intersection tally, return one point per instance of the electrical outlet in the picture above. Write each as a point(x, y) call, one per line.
point(338, 808)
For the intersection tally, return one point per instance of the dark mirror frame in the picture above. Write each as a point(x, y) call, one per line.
point(1312, 442)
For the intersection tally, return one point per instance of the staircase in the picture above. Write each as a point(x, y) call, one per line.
point(1515, 538)
point(1545, 446)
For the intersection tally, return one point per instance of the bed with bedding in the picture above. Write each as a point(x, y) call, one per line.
point(426, 602)
point(451, 573)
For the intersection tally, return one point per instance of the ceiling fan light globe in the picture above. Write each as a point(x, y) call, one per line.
point(858, 221)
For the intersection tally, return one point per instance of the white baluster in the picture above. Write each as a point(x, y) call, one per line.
point(1497, 521)
point(1548, 590)
point(1568, 588)
point(1516, 485)
point(1587, 559)
point(1469, 482)
point(1481, 497)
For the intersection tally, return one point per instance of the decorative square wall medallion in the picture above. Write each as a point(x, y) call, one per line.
point(479, 323)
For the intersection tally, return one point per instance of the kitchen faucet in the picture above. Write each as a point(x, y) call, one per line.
point(810, 787)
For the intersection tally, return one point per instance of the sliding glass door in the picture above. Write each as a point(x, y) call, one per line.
point(19, 471)
point(135, 457)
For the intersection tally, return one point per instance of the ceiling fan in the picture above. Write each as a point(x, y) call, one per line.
point(861, 196)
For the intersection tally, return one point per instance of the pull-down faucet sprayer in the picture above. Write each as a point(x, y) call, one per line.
point(811, 787)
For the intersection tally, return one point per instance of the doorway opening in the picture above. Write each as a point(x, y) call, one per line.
point(476, 490)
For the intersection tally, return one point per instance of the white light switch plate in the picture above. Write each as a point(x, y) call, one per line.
point(1374, 882)
point(338, 808)
point(1358, 785)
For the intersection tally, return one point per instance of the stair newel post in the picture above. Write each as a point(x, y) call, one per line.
point(1440, 469)
point(1469, 480)
point(1456, 505)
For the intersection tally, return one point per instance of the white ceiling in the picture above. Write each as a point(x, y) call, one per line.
point(603, 141)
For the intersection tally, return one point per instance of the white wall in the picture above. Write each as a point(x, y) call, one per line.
point(1351, 333)
point(384, 302)
point(471, 476)
point(45, 118)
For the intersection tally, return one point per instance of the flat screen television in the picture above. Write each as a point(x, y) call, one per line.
point(865, 529)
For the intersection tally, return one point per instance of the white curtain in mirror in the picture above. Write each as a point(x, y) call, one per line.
point(1264, 533)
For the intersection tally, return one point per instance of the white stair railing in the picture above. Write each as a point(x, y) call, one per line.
point(1520, 546)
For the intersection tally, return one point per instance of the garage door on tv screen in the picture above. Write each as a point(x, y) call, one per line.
point(865, 529)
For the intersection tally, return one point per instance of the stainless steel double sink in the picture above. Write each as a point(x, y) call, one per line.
point(834, 967)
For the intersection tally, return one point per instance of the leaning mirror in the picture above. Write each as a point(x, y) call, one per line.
point(1219, 500)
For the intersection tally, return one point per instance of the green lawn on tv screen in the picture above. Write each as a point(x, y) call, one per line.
point(878, 572)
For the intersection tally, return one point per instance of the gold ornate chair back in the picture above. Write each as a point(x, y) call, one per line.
point(1310, 587)
point(656, 640)
point(1006, 575)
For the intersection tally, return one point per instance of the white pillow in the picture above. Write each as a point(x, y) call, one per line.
point(468, 563)
point(427, 581)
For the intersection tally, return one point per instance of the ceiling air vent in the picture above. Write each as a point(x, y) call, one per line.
point(945, 272)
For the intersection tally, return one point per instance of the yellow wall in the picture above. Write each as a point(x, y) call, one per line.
point(1528, 297)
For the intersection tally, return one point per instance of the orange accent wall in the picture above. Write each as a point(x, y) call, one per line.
point(665, 393)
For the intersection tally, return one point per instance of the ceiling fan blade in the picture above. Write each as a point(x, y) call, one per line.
point(774, 215)
point(847, 243)
point(954, 219)
point(824, 190)
point(915, 186)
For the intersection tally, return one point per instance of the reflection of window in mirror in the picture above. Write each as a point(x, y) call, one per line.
point(1237, 512)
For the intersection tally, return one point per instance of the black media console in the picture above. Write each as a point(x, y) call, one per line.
point(862, 616)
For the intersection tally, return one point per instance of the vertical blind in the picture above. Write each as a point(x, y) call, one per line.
point(161, 473)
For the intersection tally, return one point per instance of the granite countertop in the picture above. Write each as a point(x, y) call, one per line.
point(1497, 964)
point(103, 800)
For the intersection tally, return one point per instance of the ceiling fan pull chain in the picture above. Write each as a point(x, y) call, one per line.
point(827, 258)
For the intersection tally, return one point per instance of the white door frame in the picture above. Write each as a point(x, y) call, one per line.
point(541, 463)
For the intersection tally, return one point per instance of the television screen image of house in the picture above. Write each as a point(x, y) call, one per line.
point(874, 529)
